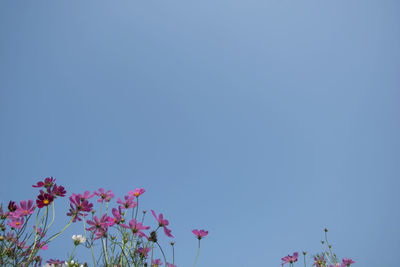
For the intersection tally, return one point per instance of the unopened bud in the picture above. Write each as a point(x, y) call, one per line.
point(304, 252)
point(172, 243)
point(1, 238)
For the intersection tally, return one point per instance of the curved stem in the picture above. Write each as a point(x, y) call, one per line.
point(72, 253)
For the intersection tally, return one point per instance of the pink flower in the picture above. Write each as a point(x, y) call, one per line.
point(98, 225)
point(25, 208)
point(16, 223)
point(48, 182)
point(347, 261)
point(200, 233)
point(129, 203)
point(117, 216)
point(170, 265)
point(137, 192)
point(319, 261)
point(290, 259)
point(39, 231)
point(162, 223)
point(156, 262)
point(78, 207)
point(136, 228)
point(104, 196)
point(57, 191)
point(143, 252)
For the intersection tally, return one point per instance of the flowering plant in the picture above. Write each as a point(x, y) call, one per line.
point(124, 238)
point(325, 259)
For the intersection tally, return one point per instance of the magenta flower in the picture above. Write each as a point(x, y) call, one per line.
point(16, 223)
point(155, 263)
point(136, 228)
point(44, 199)
point(128, 203)
point(78, 207)
point(319, 261)
point(347, 261)
point(117, 216)
point(3, 215)
point(170, 265)
point(25, 208)
point(104, 196)
point(48, 182)
point(137, 192)
point(290, 258)
point(55, 262)
point(39, 231)
point(83, 197)
point(200, 233)
point(98, 225)
point(57, 191)
point(143, 252)
point(162, 223)
point(12, 206)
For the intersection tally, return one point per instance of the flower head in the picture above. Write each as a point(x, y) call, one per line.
point(136, 228)
point(162, 223)
point(143, 252)
point(170, 265)
point(44, 199)
point(128, 203)
point(347, 261)
point(290, 258)
point(16, 223)
point(24, 209)
point(48, 182)
point(137, 192)
point(200, 233)
point(104, 196)
point(78, 239)
point(157, 262)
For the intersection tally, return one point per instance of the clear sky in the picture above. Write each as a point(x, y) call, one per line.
point(263, 121)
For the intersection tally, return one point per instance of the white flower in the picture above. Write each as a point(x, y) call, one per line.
point(78, 239)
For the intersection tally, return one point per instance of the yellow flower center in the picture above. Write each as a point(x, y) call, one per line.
point(136, 194)
point(17, 223)
point(46, 201)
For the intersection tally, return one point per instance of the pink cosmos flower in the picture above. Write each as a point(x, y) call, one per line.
point(290, 259)
point(137, 192)
point(48, 182)
point(83, 197)
point(319, 261)
point(25, 208)
point(347, 261)
point(170, 265)
point(16, 223)
point(117, 216)
point(200, 233)
point(143, 252)
point(3, 215)
point(78, 207)
point(155, 263)
point(98, 225)
point(57, 191)
point(12, 206)
point(104, 196)
point(55, 262)
point(162, 223)
point(39, 231)
point(136, 228)
point(128, 203)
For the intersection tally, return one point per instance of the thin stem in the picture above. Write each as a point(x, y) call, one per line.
point(165, 259)
point(198, 251)
point(105, 251)
point(72, 253)
point(91, 245)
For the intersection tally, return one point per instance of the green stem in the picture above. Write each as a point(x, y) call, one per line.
point(91, 245)
point(72, 253)
point(105, 251)
point(198, 251)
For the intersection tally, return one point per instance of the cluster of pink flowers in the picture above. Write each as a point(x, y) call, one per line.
point(325, 259)
point(125, 241)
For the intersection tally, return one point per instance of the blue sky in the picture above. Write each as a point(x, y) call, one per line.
point(261, 121)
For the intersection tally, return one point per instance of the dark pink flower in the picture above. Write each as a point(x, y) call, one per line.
point(55, 262)
point(143, 252)
point(290, 258)
point(57, 191)
point(200, 233)
point(137, 192)
point(48, 182)
point(170, 265)
point(78, 207)
point(83, 197)
point(157, 262)
point(319, 261)
point(136, 228)
point(39, 231)
point(104, 196)
point(44, 199)
point(347, 261)
point(12, 206)
point(128, 203)
point(98, 225)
